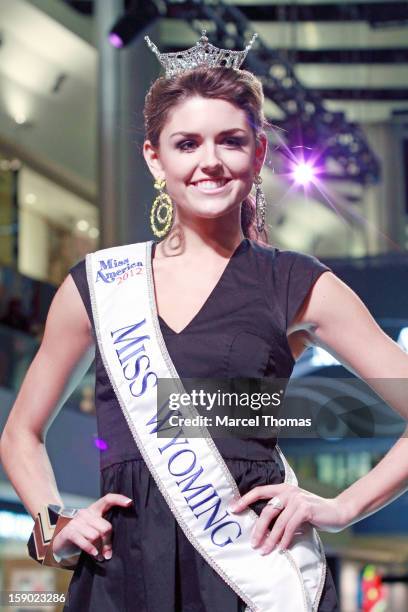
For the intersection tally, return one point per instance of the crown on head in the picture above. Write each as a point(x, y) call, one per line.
point(202, 54)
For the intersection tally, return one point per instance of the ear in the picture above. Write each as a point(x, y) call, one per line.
point(153, 160)
point(261, 147)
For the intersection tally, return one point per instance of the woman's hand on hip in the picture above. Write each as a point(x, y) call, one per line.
point(299, 506)
point(88, 530)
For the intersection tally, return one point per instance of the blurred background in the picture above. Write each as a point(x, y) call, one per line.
point(73, 76)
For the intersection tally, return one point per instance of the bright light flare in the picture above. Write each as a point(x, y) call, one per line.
point(303, 173)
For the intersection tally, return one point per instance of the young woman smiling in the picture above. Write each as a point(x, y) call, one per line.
point(227, 305)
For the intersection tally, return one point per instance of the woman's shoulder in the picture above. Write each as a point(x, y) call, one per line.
point(78, 268)
point(287, 275)
point(285, 259)
point(78, 273)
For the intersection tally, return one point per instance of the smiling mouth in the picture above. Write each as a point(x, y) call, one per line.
point(208, 185)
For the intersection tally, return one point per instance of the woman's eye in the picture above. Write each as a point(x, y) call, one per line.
point(182, 146)
point(234, 141)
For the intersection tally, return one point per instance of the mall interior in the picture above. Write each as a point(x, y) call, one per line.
point(73, 76)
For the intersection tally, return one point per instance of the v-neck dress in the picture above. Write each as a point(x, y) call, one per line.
point(240, 331)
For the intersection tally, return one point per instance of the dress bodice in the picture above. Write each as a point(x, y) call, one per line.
point(240, 331)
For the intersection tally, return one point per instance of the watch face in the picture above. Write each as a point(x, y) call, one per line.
point(67, 511)
point(54, 508)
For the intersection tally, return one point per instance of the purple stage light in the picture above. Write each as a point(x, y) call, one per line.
point(115, 40)
point(303, 173)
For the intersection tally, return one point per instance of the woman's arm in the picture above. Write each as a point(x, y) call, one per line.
point(344, 326)
point(336, 319)
point(65, 354)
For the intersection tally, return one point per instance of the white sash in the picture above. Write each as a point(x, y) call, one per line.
point(189, 471)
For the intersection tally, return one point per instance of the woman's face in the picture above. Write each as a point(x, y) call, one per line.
point(208, 156)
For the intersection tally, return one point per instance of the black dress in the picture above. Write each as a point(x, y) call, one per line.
point(240, 331)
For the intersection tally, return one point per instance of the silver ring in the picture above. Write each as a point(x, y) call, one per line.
point(276, 503)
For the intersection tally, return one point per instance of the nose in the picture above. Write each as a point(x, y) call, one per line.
point(210, 162)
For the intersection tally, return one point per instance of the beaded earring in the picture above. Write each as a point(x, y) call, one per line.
point(260, 202)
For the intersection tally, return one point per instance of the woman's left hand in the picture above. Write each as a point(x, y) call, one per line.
point(300, 506)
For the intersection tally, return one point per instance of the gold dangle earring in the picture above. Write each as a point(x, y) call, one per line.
point(162, 210)
point(260, 204)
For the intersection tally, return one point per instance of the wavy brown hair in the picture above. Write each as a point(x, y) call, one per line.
point(239, 87)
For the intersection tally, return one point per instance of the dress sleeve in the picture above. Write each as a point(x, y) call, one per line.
point(303, 273)
point(78, 273)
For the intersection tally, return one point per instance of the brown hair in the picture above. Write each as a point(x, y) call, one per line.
point(240, 87)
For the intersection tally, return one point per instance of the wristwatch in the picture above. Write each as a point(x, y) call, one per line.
point(50, 520)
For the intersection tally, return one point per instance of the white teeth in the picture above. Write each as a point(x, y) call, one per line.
point(211, 184)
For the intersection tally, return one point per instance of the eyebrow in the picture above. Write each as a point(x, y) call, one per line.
point(193, 135)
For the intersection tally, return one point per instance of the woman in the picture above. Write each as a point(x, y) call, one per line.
point(227, 306)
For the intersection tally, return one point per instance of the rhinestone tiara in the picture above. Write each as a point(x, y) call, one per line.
point(202, 54)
